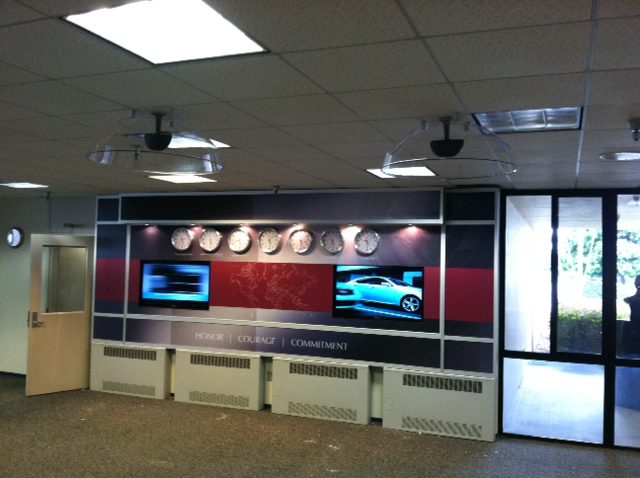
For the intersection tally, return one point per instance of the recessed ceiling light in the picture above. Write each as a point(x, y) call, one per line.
point(621, 156)
point(411, 171)
point(164, 31)
point(24, 185)
point(380, 174)
point(182, 178)
point(522, 121)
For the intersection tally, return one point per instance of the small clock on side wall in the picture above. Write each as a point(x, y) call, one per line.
point(15, 237)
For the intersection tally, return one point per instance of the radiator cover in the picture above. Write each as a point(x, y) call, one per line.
point(140, 371)
point(220, 379)
point(439, 404)
point(321, 389)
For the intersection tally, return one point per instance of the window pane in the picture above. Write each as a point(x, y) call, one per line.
point(63, 279)
point(628, 277)
point(580, 275)
point(627, 407)
point(553, 400)
point(528, 273)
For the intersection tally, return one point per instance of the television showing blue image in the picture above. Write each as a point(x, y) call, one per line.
point(381, 292)
point(181, 285)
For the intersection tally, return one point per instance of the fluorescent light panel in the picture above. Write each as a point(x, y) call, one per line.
point(621, 156)
point(24, 185)
point(380, 174)
point(165, 31)
point(521, 121)
point(182, 178)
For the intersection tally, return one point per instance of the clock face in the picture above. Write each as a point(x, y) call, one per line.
point(181, 239)
point(210, 239)
point(15, 237)
point(366, 241)
point(269, 240)
point(301, 241)
point(332, 241)
point(239, 241)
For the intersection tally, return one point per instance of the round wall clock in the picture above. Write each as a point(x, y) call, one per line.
point(301, 241)
point(15, 237)
point(210, 239)
point(181, 239)
point(332, 241)
point(269, 240)
point(366, 241)
point(239, 241)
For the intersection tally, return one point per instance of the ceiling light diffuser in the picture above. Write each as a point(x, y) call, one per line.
point(24, 185)
point(380, 174)
point(621, 156)
point(165, 31)
point(182, 178)
point(522, 121)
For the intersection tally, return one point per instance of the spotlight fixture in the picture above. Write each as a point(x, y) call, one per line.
point(169, 148)
point(465, 150)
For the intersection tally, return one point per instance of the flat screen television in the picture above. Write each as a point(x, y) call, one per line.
point(180, 285)
point(378, 292)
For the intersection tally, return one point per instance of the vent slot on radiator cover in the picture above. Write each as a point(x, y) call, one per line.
point(321, 370)
point(442, 383)
point(220, 361)
point(323, 411)
point(221, 399)
point(129, 353)
point(131, 388)
point(439, 427)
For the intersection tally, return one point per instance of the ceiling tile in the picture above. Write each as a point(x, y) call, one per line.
point(611, 116)
point(59, 50)
point(523, 93)
point(55, 149)
point(544, 141)
point(10, 75)
point(356, 132)
point(617, 8)
point(140, 89)
point(14, 12)
point(216, 116)
point(442, 17)
point(297, 110)
point(9, 111)
point(312, 24)
point(291, 154)
point(612, 44)
point(252, 138)
point(385, 65)
point(354, 151)
point(235, 78)
point(611, 139)
point(67, 7)
point(506, 53)
point(614, 87)
point(50, 128)
point(430, 101)
point(53, 98)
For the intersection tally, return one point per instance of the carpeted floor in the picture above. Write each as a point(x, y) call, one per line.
point(86, 433)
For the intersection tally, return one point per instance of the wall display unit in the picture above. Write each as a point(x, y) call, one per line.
point(378, 292)
point(210, 239)
point(269, 240)
point(173, 284)
point(366, 241)
point(332, 241)
point(301, 241)
point(181, 239)
point(239, 241)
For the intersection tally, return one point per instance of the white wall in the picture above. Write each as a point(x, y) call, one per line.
point(35, 216)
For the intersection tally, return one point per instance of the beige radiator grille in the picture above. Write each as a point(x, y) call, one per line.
point(220, 361)
point(129, 353)
point(442, 383)
point(320, 370)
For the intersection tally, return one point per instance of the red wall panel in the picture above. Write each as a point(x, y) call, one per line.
point(110, 280)
point(469, 295)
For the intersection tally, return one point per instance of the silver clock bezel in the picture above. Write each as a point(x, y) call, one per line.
point(301, 231)
point(245, 234)
point(359, 236)
point(205, 232)
point(325, 246)
point(178, 232)
point(266, 248)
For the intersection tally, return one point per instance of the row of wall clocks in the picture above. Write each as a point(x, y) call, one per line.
point(301, 240)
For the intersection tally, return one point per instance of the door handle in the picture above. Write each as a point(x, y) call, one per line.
point(34, 321)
